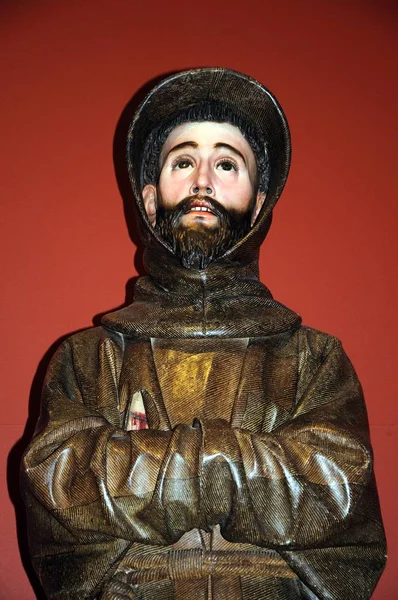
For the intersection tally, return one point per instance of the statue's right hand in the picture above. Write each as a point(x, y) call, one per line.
point(118, 589)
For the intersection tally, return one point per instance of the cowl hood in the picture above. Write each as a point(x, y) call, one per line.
point(226, 299)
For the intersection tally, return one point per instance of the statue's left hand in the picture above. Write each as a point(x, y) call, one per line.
point(118, 589)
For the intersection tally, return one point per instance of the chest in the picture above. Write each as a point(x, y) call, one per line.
point(249, 384)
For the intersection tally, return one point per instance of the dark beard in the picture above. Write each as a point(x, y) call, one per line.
point(198, 246)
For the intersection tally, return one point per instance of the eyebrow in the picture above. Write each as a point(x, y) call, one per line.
point(182, 145)
point(218, 145)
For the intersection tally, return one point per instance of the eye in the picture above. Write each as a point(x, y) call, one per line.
point(227, 165)
point(181, 163)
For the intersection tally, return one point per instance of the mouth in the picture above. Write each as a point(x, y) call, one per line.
point(200, 208)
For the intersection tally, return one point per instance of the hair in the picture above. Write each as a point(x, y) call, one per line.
point(208, 111)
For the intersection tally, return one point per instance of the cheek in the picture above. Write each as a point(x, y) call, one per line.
point(166, 188)
point(239, 194)
point(172, 184)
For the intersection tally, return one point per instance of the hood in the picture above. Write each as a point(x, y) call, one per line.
point(226, 299)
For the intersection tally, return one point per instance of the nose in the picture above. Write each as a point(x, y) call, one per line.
point(195, 189)
point(202, 183)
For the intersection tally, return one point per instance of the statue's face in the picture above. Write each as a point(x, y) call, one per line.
point(205, 159)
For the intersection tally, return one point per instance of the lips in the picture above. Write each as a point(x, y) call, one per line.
point(200, 207)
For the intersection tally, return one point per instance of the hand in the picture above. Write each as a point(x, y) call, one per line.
point(118, 589)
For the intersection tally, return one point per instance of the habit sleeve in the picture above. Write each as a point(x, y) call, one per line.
point(306, 489)
point(88, 484)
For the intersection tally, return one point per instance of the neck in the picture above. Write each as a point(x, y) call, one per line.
point(225, 300)
point(219, 278)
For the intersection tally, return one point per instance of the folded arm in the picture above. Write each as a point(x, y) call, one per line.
point(306, 489)
point(90, 487)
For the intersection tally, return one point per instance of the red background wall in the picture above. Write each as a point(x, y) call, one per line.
point(67, 70)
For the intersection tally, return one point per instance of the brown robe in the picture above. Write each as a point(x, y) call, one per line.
point(254, 480)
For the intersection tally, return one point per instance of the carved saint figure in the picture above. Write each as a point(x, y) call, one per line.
point(203, 444)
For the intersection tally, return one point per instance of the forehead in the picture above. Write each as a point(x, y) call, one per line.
point(207, 133)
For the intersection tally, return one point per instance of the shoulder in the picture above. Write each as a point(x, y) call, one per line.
point(317, 341)
point(314, 346)
point(92, 338)
point(87, 346)
point(87, 357)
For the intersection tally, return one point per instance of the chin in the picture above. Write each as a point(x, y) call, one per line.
point(199, 222)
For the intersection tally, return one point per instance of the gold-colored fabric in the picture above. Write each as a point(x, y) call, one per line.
point(273, 499)
point(198, 380)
